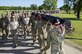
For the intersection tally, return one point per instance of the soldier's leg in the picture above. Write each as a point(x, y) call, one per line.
point(39, 37)
point(61, 50)
point(41, 40)
point(25, 32)
point(15, 37)
point(7, 32)
point(44, 39)
point(54, 49)
point(43, 45)
point(34, 33)
point(61, 42)
point(12, 33)
point(48, 48)
point(3, 34)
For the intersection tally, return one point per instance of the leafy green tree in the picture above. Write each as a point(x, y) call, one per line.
point(13, 8)
point(77, 5)
point(50, 4)
point(65, 7)
point(33, 7)
point(40, 7)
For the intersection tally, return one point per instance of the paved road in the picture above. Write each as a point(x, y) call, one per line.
point(70, 50)
point(26, 47)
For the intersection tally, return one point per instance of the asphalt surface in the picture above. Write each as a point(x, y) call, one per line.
point(25, 47)
point(70, 50)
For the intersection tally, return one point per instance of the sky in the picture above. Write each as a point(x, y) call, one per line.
point(25, 3)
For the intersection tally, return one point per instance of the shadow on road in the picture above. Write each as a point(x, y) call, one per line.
point(74, 38)
point(25, 46)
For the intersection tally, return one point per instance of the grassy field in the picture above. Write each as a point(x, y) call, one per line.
point(3, 11)
point(76, 36)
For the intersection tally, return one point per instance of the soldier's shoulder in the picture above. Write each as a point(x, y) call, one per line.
point(51, 30)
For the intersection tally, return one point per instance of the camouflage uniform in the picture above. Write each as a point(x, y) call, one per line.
point(40, 32)
point(62, 37)
point(26, 26)
point(14, 31)
point(36, 29)
point(33, 22)
point(44, 36)
point(54, 40)
point(4, 25)
point(15, 37)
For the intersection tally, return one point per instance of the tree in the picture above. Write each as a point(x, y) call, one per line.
point(65, 7)
point(13, 8)
point(33, 7)
point(50, 4)
point(77, 5)
point(40, 7)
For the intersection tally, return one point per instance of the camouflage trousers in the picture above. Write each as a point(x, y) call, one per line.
point(56, 49)
point(5, 33)
point(14, 35)
point(38, 33)
point(26, 30)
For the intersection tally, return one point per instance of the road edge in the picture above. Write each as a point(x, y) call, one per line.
point(70, 43)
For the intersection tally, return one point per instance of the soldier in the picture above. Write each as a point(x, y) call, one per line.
point(32, 22)
point(7, 21)
point(55, 35)
point(20, 19)
point(45, 42)
point(44, 37)
point(14, 29)
point(26, 19)
point(61, 29)
point(4, 25)
point(41, 30)
point(38, 28)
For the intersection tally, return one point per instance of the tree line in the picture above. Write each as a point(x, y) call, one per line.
point(47, 5)
point(13, 8)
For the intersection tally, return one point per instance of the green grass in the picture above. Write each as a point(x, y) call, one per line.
point(77, 35)
point(2, 11)
point(77, 24)
point(65, 15)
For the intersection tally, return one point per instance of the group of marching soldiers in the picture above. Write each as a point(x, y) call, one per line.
point(48, 34)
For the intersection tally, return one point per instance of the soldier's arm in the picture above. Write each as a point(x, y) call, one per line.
point(18, 26)
point(29, 22)
point(8, 27)
point(49, 38)
point(63, 30)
